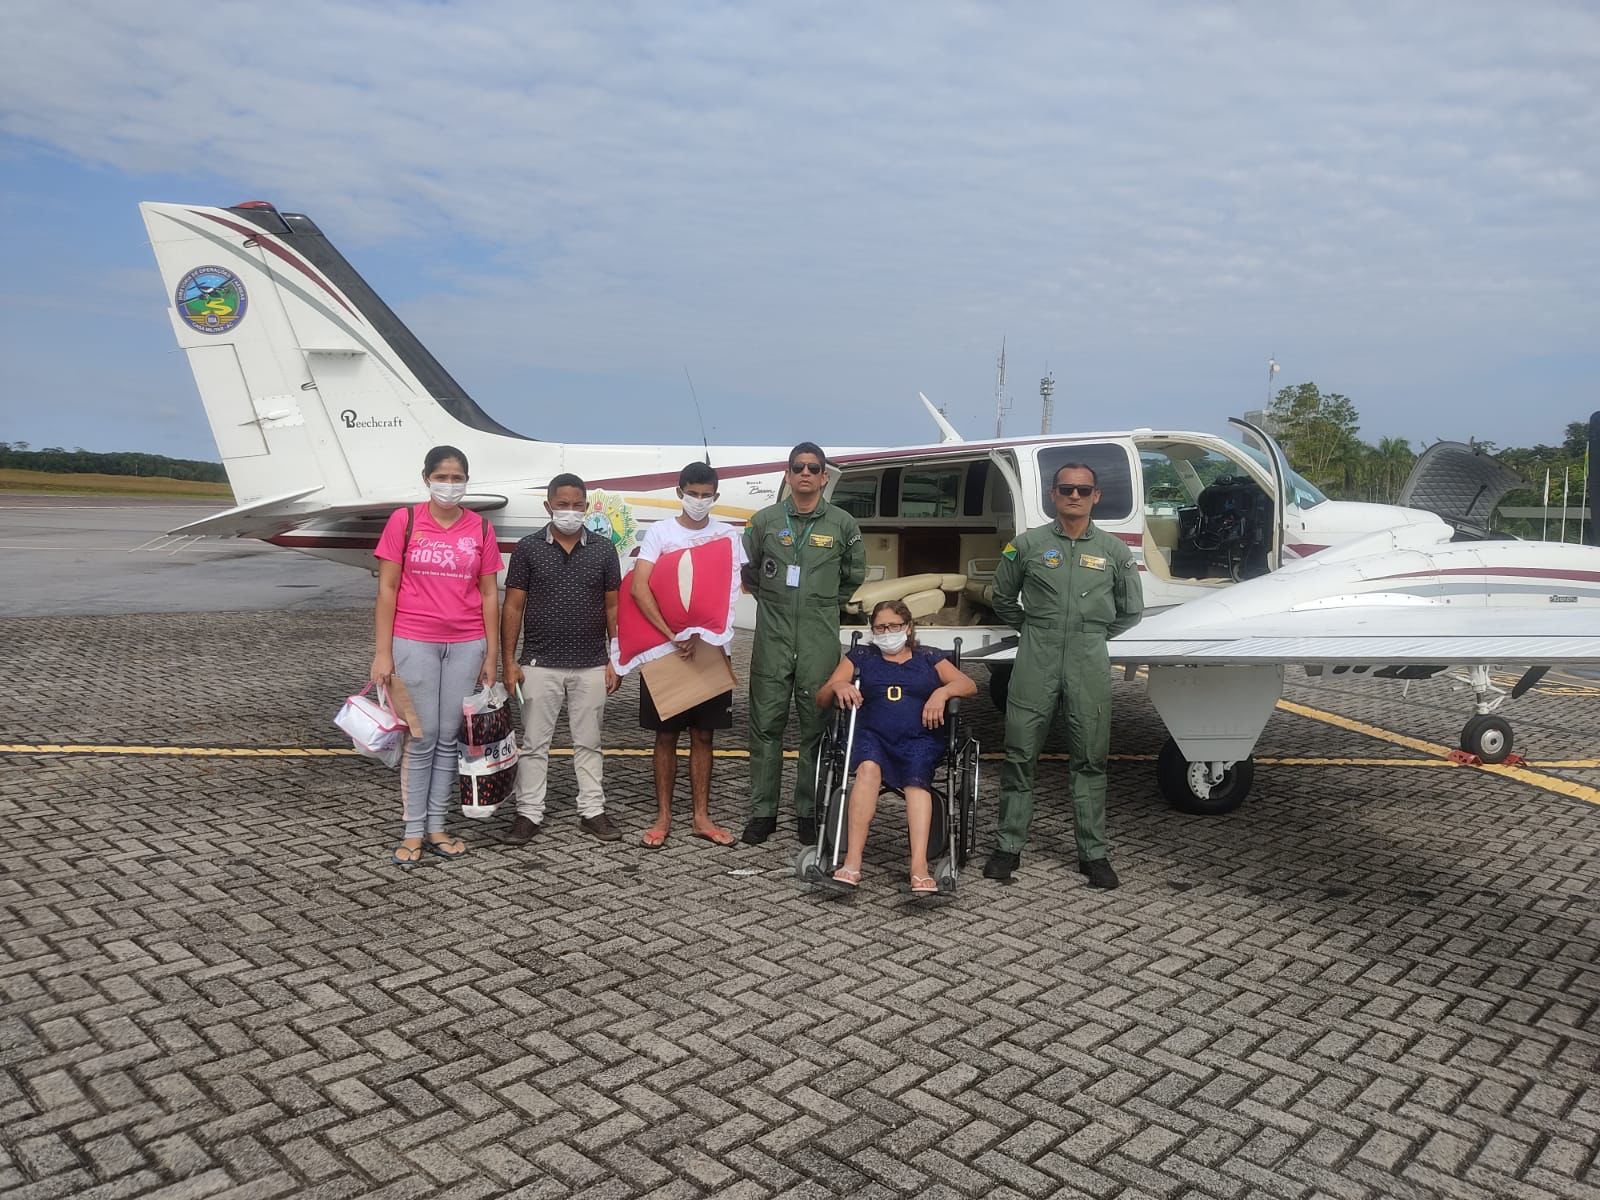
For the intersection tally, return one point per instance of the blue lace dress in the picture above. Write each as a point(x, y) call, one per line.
point(889, 728)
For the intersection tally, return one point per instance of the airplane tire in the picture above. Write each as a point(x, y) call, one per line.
point(1172, 773)
point(1488, 737)
point(999, 686)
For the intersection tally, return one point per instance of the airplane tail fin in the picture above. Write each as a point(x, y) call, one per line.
point(318, 396)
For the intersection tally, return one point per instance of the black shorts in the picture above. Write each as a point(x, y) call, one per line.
point(715, 713)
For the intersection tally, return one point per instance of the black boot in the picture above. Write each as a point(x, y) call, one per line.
point(758, 830)
point(806, 828)
point(1001, 865)
point(1099, 873)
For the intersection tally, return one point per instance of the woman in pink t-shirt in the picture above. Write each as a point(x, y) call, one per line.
point(438, 621)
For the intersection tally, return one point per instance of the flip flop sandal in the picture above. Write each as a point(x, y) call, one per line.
point(439, 848)
point(924, 885)
point(408, 863)
point(841, 887)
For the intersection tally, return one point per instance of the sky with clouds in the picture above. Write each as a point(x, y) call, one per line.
point(821, 208)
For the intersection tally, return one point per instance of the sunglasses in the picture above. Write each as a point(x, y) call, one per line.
point(1075, 489)
point(807, 468)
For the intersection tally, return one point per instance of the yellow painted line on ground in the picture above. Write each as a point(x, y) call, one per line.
point(1523, 774)
point(683, 752)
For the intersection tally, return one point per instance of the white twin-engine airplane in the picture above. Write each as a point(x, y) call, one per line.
point(323, 404)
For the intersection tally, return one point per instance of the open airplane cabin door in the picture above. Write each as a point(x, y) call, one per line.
point(1278, 464)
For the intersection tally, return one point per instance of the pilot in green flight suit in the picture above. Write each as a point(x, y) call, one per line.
point(1078, 586)
point(805, 560)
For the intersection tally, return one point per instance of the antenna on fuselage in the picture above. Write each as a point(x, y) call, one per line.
point(1002, 402)
point(699, 416)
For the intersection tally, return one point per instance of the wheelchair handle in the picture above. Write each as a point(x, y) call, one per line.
point(955, 656)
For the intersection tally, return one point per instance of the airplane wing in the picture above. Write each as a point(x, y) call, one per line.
point(1373, 634)
point(278, 514)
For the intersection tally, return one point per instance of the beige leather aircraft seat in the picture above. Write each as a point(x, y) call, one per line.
point(1159, 541)
point(923, 594)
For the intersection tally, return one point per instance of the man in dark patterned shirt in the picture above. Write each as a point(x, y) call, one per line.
point(566, 636)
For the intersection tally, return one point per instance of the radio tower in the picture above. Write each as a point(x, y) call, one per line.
point(1047, 407)
point(1002, 402)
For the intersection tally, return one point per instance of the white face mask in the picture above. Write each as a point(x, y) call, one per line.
point(567, 521)
point(890, 643)
point(447, 495)
point(698, 508)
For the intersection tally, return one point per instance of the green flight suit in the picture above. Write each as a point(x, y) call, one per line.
point(1075, 593)
point(797, 636)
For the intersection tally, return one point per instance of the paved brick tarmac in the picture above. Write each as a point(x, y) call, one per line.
point(1369, 982)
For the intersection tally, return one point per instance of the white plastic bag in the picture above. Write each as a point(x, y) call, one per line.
point(488, 755)
point(375, 729)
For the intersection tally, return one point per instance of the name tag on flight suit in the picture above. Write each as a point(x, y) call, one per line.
point(1093, 562)
point(791, 576)
point(822, 540)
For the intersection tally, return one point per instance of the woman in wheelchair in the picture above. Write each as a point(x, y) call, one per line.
point(902, 692)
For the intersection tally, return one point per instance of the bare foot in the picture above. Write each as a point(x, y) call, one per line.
point(656, 836)
point(711, 832)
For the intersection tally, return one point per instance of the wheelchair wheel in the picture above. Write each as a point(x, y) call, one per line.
point(968, 802)
point(938, 828)
point(805, 865)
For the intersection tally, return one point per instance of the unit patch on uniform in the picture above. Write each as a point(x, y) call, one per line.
point(211, 299)
point(1093, 561)
point(785, 537)
point(823, 540)
point(1010, 551)
point(769, 567)
point(1052, 558)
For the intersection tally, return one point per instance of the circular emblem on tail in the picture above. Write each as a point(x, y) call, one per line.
point(211, 299)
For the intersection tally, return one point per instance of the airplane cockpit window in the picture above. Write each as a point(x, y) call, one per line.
point(1111, 468)
point(857, 495)
point(1302, 492)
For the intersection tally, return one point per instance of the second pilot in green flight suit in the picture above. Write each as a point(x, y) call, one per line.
point(1067, 587)
point(806, 559)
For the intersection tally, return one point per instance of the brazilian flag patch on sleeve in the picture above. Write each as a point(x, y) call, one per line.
point(1010, 551)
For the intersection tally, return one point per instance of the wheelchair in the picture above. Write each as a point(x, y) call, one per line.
point(951, 833)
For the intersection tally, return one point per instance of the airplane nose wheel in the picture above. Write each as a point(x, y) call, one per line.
point(1487, 736)
point(1188, 786)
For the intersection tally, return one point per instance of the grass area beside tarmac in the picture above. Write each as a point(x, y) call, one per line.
point(60, 483)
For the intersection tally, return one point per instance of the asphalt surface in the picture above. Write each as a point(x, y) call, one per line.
point(78, 555)
point(1377, 979)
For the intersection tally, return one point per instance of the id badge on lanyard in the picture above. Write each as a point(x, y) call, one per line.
point(791, 574)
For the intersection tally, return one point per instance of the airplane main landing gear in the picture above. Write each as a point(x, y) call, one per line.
point(1488, 737)
point(1205, 789)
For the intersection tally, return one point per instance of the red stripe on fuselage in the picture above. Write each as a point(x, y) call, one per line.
point(1524, 572)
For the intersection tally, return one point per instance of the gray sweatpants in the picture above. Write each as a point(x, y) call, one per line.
point(439, 675)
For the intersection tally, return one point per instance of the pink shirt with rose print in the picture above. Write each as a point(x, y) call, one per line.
point(439, 599)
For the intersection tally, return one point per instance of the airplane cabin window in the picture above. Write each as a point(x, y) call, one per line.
point(977, 484)
point(889, 497)
point(857, 495)
point(1111, 467)
point(929, 493)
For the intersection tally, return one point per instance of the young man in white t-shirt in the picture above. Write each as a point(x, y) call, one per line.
point(697, 488)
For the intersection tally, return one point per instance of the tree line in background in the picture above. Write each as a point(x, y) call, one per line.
point(1318, 432)
point(78, 461)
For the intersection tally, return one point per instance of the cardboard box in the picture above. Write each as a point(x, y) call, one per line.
point(678, 684)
